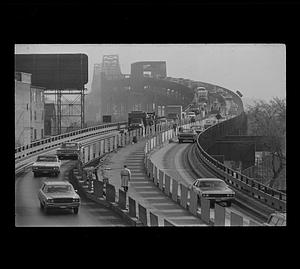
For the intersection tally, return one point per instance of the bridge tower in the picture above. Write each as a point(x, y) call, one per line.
point(111, 67)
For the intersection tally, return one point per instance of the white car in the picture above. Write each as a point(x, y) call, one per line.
point(46, 164)
point(214, 189)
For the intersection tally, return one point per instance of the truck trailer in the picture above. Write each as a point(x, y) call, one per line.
point(173, 112)
point(137, 119)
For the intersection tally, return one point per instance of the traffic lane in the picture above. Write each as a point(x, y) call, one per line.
point(28, 212)
point(175, 159)
point(175, 165)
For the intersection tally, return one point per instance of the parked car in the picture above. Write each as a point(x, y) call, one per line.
point(276, 219)
point(46, 164)
point(58, 194)
point(187, 135)
point(214, 189)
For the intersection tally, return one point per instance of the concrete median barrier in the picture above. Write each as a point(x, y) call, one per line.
point(167, 184)
point(153, 219)
point(174, 190)
point(236, 220)
point(183, 196)
point(193, 203)
point(143, 215)
point(155, 177)
point(205, 210)
point(132, 207)
point(122, 199)
point(110, 193)
point(98, 189)
point(161, 178)
point(219, 215)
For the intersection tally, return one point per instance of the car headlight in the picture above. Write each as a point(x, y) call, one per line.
point(50, 200)
point(56, 167)
point(205, 195)
point(34, 167)
point(76, 199)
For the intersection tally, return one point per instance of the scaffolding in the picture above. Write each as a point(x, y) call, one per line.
point(69, 106)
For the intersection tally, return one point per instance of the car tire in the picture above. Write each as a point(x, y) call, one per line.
point(35, 174)
point(228, 203)
point(41, 205)
point(46, 210)
point(75, 210)
point(56, 174)
point(180, 141)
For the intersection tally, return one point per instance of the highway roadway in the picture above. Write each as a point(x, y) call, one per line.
point(28, 212)
point(173, 161)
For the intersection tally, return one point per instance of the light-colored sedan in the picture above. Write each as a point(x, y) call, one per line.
point(46, 164)
point(58, 194)
point(214, 189)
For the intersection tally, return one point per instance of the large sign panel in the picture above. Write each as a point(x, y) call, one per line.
point(54, 71)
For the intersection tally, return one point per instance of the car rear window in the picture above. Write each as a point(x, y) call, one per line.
point(46, 159)
point(69, 145)
point(52, 189)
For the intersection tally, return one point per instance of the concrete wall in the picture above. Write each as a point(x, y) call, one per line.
point(22, 113)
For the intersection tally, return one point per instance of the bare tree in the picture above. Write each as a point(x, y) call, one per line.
point(269, 120)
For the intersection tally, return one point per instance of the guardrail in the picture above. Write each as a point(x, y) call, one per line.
point(27, 150)
point(264, 194)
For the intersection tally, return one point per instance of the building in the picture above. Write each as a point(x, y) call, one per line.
point(29, 110)
point(49, 119)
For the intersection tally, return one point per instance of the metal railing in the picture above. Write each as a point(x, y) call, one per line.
point(38, 146)
point(248, 186)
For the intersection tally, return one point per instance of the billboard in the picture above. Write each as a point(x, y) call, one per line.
point(54, 71)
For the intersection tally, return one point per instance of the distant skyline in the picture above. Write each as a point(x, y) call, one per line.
point(258, 71)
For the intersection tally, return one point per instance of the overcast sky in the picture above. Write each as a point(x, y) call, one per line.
point(256, 70)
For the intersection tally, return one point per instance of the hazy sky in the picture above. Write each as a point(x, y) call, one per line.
point(256, 70)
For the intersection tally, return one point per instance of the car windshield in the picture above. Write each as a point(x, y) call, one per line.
point(58, 188)
point(212, 185)
point(69, 145)
point(46, 159)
